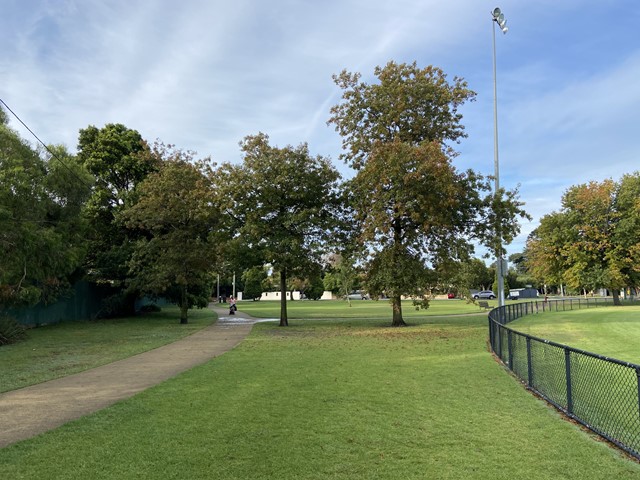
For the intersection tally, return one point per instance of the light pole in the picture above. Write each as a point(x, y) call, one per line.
point(497, 18)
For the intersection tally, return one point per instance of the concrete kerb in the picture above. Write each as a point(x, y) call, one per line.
point(29, 411)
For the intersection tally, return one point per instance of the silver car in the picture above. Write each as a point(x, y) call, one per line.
point(484, 294)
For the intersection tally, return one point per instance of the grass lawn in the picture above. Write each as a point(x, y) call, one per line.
point(359, 309)
point(57, 350)
point(610, 331)
point(330, 399)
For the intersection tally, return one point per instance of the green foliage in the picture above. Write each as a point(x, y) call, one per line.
point(175, 215)
point(255, 280)
point(314, 288)
point(119, 159)
point(42, 233)
point(410, 105)
point(593, 241)
point(281, 202)
point(462, 276)
point(413, 210)
point(10, 330)
point(345, 276)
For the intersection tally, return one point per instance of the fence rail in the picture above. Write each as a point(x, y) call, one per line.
point(601, 393)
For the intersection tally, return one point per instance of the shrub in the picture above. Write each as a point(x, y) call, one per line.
point(150, 308)
point(10, 330)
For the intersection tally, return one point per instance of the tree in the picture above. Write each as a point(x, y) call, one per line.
point(119, 159)
point(314, 288)
point(346, 276)
point(410, 105)
point(254, 282)
point(626, 236)
point(413, 208)
point(176, 215)
point(593, 241)
point(42, 233)
point(281, 201)
point(546, 259)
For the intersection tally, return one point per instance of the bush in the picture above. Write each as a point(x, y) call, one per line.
point(10, 330)
point(151, 308)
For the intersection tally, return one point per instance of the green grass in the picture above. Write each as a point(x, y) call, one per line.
point(330, 399)
point(358, 309)
point(609, 331)
point(57, 350)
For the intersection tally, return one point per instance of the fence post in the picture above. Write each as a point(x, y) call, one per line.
point(510, 348)
point(493, 346)
point(530, 367)
point(638, 377)
point(567, 362)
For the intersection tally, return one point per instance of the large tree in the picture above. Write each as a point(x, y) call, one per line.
point(281, 201)
point(414, 209)
point(119, 159)
point(593, 241)
point(176, 214)
point(42, 233)
point(546, 256)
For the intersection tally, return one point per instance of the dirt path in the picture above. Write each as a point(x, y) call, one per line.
point(29, 411)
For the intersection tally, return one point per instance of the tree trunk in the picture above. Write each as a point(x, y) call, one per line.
point(346, 293)
point(616, 296)
point(184, 307)
point(397, 312)
point(284, 322)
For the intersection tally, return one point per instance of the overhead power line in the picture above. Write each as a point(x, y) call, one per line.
point(53, 155)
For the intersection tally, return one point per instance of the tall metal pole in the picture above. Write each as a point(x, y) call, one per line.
point(234, 284)
point(496, 166)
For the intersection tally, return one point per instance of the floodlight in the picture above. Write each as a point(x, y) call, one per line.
point(496, 12)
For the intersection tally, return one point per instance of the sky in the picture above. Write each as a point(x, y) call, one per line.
point(203, 74)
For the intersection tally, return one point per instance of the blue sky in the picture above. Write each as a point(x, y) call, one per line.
point(203, 74)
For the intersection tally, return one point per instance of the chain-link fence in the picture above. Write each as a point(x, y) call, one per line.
point(599, 392)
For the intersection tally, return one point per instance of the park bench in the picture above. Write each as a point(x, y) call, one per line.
point(483, 304)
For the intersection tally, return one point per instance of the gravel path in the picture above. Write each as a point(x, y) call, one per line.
point(29, 411)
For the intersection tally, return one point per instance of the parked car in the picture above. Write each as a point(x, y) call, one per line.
point(484, 294)
point(358, 296)
point(451, 295)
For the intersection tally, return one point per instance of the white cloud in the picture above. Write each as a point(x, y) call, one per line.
point(203, 74)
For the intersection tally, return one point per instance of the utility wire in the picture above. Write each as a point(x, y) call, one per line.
point(53, 155)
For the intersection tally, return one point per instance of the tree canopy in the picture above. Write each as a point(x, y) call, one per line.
point(176, 215)
point(413, 208)
point(42, 233)
point(281, 202)
point(593, 241)
point(119, 159)
point(409, 105)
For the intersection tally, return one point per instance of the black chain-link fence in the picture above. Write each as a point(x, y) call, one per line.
point(599, 392)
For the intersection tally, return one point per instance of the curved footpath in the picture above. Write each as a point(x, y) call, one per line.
point(29, 411)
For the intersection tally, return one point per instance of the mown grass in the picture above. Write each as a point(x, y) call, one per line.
point(609, 331)
point(57, 350)
point(358, 309)
point(328, 399)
